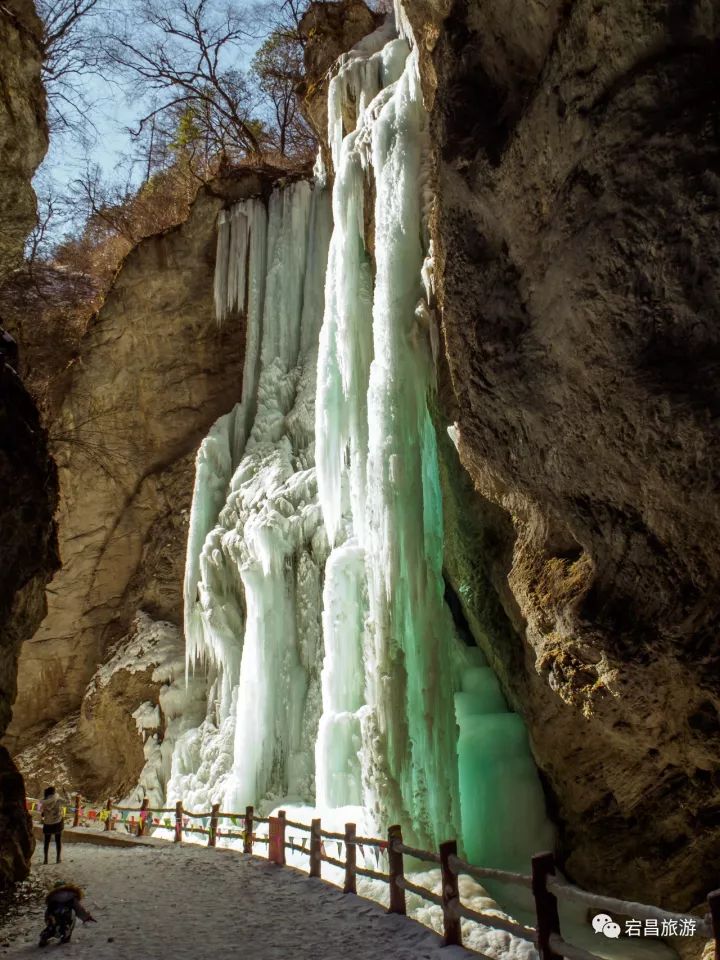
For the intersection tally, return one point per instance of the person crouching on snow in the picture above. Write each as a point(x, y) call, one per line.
point(62, 905)
point(52, 821)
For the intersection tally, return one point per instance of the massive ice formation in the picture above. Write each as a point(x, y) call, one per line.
point(256, 546)
point(314, 593)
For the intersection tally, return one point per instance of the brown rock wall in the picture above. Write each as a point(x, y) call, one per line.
point(578, 242)
point(23, 130)
point(28, 482)
point(154, 372)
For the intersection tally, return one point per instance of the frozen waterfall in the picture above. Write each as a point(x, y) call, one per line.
point(314, 589)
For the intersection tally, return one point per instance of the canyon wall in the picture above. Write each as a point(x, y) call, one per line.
point(155, 370)
point(27, 474)
point(576, 240)
point(577, 243)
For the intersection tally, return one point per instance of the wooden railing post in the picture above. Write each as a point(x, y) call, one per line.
point(350, 859)
point(396, 871)
point(248, 838)
point(76, 814)
point(281, 836)
point(142, 820)
point(315, 849)
point(178, 822)
point(214, 819)
point(714, 904)
point(108, 808)
point(546, 908)
point(450, 895)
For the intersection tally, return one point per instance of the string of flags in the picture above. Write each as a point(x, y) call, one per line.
point(145, 816)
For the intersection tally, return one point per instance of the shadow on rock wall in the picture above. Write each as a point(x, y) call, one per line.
point(578, 245)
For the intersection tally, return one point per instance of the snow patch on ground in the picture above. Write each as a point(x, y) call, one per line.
point(191, 903)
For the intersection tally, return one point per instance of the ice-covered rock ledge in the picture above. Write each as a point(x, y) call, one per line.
point(121, 740)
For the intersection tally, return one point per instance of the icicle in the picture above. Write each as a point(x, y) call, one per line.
point(328, 469)
point(222, 253)
point(256, 545)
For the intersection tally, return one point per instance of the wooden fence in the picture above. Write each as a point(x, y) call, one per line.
point(546, 888)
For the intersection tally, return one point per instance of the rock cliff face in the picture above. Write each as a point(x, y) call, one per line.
point(23, 131)
point(154, 372)
point(329, 30)
point(27, 475)
point(133, 708)
point(577, 242)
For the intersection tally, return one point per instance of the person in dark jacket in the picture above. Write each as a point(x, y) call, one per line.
point(62, 905)
point(52, 821)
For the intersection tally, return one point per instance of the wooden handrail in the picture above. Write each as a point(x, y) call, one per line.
point(489, 920)
point(415, 852)
point(569, 951)
point(450, 894)
point(714, 904)
point(297, 826)
point(409, 887)
point(332, 835)
point(488, 873)
point(350, 859)
point(332, 860)
point(567, 891)
point(546, 908)
point(545, 885)
point(396, 871)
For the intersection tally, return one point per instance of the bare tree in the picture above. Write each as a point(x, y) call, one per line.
point(182, 54)
point(71, 54)
point(278, 66)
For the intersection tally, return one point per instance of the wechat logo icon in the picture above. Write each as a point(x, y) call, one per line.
point(602, 923)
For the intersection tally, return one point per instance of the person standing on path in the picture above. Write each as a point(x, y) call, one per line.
point(52, 821)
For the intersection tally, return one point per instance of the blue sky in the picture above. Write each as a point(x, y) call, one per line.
point(113, 110)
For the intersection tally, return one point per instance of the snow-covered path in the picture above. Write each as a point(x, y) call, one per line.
point(192, 903)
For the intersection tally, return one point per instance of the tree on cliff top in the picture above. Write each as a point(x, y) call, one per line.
point(71, 55)
point(183, 54)
point(278, 66)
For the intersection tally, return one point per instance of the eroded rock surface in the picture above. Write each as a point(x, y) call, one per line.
point(329, 30)
point(23, 131)
point(155, 370)
point(577, 241)
point(28, 483)
point(134, 707)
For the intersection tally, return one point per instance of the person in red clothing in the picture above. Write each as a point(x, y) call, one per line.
point(62, 905)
